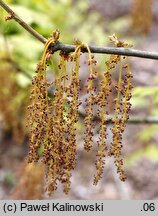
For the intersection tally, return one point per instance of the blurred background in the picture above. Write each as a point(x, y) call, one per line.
point(92, 21)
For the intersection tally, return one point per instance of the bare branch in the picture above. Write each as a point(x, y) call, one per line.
point(107, 50)
point(28, 28)
point(70, 48)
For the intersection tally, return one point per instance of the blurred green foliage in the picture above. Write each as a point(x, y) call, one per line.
point(149, 152)
point(145, 99)
point(45, 17)
point(9, 180)
point(148, 133)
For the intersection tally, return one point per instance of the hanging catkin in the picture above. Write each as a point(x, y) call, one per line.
point(53, 120)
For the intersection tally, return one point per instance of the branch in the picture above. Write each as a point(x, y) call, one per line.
point(70, 48)
point(28, 28)
point(132, 120)
point(107, 50)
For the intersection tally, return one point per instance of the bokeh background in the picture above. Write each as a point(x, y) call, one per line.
point(92, 21)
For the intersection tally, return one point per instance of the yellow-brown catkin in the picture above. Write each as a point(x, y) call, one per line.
point(53, 118)
point(60, 155)
point(89, 102)
point(38, 117)
point(122, 108)
point(116, 145)
point(102, 101)
point(73, 95)
point(39, 110)
point(127, 87)
point(142, 15)
point(53, 154)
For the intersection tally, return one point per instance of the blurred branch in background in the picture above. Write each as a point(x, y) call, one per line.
point(132, 120)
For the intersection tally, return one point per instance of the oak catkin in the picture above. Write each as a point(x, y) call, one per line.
point(53, 120)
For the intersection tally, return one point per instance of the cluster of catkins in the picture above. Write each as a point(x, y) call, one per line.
point(53, 118)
